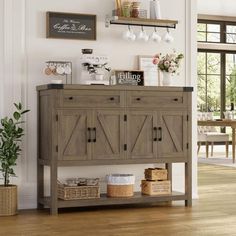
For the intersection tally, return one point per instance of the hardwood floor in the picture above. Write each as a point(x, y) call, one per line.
point(213, 214)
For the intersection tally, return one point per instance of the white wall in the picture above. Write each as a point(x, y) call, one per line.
point(217, 7)
point(27, 49)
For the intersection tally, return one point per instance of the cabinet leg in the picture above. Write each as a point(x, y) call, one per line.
point(188, 203)
point(169, 177)
point(53, 189)
point(40, 186)
point(188, 183)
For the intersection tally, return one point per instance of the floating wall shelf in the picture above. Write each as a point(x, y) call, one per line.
point(117, 20)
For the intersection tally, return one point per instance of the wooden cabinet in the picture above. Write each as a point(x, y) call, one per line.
point(107, 125)
point(142, 134)
point(90, 134)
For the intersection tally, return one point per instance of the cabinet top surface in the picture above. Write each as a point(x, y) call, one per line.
point(113, 87)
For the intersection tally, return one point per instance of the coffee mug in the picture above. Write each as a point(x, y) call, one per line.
point(60, 70)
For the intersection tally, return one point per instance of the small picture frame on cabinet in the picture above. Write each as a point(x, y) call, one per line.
point(151, 72)
point(129, 77)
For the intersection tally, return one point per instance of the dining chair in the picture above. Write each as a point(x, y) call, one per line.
point(210, 135)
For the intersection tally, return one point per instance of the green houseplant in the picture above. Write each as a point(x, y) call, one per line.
point(11, 134)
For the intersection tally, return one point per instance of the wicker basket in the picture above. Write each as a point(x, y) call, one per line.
point(120, 185)
point(156, 187)
point(8, 200)
point(155, 174)
point(78, 192)
point(120, 190)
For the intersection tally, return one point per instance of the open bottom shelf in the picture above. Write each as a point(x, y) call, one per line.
point(104, 200)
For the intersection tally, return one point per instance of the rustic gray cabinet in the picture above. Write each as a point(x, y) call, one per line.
point(107, 125)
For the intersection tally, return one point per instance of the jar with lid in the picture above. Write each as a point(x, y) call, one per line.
point(126, 8)
point(135, 9)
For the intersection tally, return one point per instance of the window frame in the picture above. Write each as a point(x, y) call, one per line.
point(223, 32)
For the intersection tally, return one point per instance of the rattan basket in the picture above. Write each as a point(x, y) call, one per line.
point(78, 192)
point(120, 190)
point(8, 200)
point(120, 185)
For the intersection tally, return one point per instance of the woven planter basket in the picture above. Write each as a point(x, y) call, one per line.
point(8, 200)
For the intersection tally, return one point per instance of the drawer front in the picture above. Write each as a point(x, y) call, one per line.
point(156, 99)
point(89, 98)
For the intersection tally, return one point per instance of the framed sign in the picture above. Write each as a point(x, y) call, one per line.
point(71, 26)
point(129, 77)
point(151, 73)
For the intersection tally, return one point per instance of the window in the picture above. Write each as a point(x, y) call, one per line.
point(216, 68)
point(208, 32)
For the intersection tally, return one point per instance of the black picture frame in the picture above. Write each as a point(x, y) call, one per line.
point(60, 25)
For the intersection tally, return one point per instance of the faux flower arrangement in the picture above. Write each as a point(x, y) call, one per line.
point(168, 63)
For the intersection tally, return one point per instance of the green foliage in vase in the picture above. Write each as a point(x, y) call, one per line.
point(11, 134)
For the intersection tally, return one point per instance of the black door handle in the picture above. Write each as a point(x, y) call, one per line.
point(71, 98)
point(95, 135)
point(138, 99)
point(112, 99)
point(89, 135)
point(155, 134)
point(160, 129)
point(176, 99)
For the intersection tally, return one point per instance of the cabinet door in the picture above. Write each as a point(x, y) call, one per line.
point(142, 134)
point(108, 135)
point(172, 134)
point(73, 135)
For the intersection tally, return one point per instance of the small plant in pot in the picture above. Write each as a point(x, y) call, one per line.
point(11, 134)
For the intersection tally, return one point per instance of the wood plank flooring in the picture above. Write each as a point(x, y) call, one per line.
point(213, 214)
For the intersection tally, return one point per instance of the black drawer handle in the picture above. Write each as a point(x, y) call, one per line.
point(71, 98)
point(112, 99)
point(176, 99)
point(138, 99)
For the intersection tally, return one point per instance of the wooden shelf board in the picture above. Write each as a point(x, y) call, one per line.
point(143, 21)
point(123, 162)
point(104, 200)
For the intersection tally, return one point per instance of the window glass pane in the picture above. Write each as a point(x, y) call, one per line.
point(230, 79)
point(231, 90)
point(230, 63)
point(201, 36)
point(231, 29)
point(201, 96)
point(213, 93)
point(213, 27)
point(213, 37)
point(201, 63)
point(230, 38)
point(213, 63)
point(201, 27)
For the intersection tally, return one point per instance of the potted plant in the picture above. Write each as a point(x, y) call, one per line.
point(11, 134)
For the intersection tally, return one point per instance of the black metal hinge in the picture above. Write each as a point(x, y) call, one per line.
point(57, 148)
point(125, 117)
point(187, 145)
point(56, 117)
point(125, 147)
point(187, 118)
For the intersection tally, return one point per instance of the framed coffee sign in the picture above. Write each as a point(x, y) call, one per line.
point(129, 77)
point(71, 26)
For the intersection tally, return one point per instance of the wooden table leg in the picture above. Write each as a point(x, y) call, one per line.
point(233, 144)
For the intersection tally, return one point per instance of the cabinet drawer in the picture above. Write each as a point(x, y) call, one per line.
point(88, 98)
point(155, 99)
